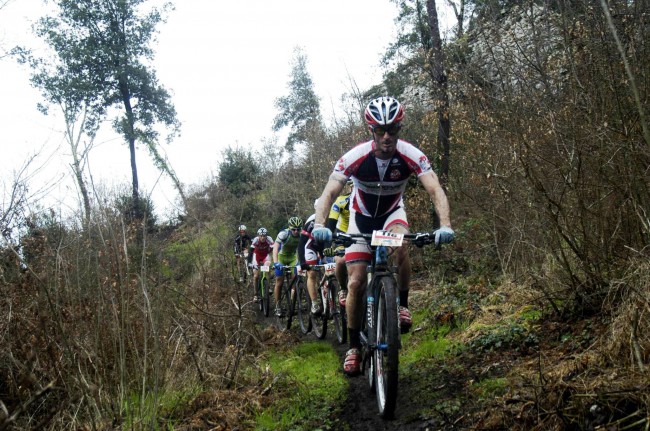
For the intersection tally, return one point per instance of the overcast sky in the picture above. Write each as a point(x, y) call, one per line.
point(224, 63)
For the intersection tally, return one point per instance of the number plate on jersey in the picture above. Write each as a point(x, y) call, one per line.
point(387, 238)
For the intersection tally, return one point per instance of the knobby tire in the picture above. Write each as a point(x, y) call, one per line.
point(386, 355)
point(337, 312)
point(264, 295)
point(284, 301)
point(320, 322)
point(303, 305)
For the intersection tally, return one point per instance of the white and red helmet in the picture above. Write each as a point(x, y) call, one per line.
point(384, 111)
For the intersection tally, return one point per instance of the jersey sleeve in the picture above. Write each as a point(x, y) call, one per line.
point(348, 164)
point(418, 161)
point(283, 235)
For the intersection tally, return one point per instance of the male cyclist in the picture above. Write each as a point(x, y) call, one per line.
point(242, 242)
point(285, 253)
point(338, 221)
point(380, 169)
point(309, 253)
point(261, 252)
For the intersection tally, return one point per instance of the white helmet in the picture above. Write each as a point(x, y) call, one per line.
point(242, 227)
point(384, 111)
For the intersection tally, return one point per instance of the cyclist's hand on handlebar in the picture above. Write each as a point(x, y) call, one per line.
point(328, 252)
point(278, 266)
point(443, 235)
point(322, 234)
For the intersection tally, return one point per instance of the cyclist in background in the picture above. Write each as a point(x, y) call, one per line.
point(309, 253)
point(242, 242)
point(259, 255)
point(380, 169)
point(285, 254)
point(338, 221)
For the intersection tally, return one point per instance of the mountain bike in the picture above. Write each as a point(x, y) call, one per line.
point(380, 332)
point(287, 297)
point(263, 289)
point(328, 293)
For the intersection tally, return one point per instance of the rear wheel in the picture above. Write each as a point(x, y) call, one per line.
point(386, 356)
point(303, 305)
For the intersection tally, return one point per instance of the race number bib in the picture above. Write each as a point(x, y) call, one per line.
point(386, 238)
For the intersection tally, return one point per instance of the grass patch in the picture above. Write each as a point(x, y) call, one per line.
point(490, 388)
point(429, 349)
point(139, 412)
point(311, 388)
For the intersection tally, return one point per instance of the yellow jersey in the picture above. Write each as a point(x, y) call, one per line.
point(339, 216)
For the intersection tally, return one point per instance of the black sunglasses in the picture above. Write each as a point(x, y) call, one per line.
point(391, 130)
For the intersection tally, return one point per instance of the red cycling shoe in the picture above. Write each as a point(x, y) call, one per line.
point(405, 321)
point(352, 363)
point(343, 295)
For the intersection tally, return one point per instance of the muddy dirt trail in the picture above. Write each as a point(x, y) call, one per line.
point(361, 413)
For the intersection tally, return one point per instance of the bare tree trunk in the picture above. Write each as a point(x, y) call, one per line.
point(76, 168)
point(437, 71)
point(79, 155)
point(459, 13)
point(130, 134)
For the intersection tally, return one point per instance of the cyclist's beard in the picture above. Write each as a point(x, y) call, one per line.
point(386, 148)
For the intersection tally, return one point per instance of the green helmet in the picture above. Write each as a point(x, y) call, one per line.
point(295, 222)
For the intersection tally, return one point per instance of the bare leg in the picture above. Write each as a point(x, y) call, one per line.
point(341, 272)
point(312, 284)
point(278, 284)
point(357, 278)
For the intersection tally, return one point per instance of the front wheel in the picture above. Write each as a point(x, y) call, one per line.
point(337, 312)
point(284, 303)
point(303, 305)
point(319, 323)
point(264, 296)
point(386, 355)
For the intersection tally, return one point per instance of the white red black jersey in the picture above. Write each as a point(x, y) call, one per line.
point(378, 190)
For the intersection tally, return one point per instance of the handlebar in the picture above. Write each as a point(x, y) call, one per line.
point(419, 239)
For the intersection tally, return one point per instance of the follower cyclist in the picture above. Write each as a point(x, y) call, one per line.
point(285, 254)
point(309, 252)
point(380, 169)
point(242, 242)
point(338, 221)
point(260, 255)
